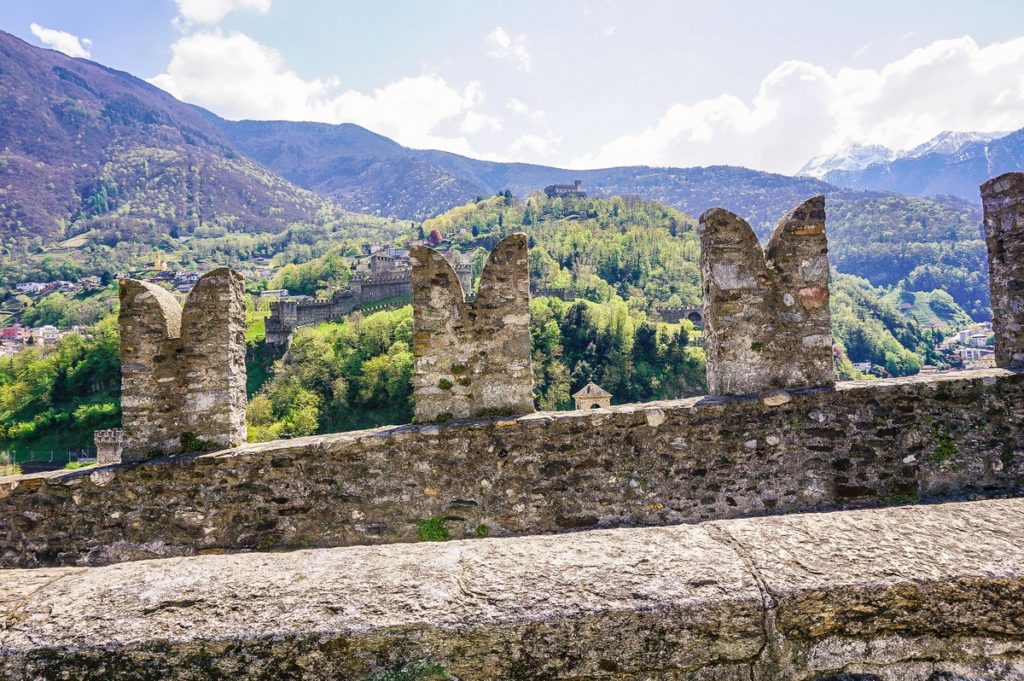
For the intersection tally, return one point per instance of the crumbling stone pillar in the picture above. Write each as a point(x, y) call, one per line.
point(1003, 201)
point(182, 373)
point(472, 358)
point(108, 446)
point(766, 317)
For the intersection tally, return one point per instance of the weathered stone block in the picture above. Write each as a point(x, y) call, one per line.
point(1003, 200)
point(182, 372)
point(766, 315)
point(472, 358)
point(926, 593)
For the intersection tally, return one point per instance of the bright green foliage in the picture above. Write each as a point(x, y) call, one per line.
point(343, 376)
point(641, 251)
point(432, 529)
point(75, 465)
point(635, 360)
point(870, 329)
point(54, 397)
point(320, 276)
point(83, 309)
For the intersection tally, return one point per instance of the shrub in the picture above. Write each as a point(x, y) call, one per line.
point(432, 529)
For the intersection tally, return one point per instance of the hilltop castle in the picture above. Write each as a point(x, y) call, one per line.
point(573, 190)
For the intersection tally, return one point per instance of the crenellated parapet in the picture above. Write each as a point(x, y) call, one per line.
point(108, 445)
point(182, 370)
point(1003, 201)
point(472, 358)
point(766, 312)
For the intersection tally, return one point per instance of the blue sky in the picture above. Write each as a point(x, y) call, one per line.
point(585, 83)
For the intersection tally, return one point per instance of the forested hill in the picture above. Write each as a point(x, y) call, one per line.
point(916, 244)
point(86, 147)
point(647, 254)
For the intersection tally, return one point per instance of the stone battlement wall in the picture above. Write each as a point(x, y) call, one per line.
point(182, 370)
point(472, 357)
point(926, 593)
point(862, 443)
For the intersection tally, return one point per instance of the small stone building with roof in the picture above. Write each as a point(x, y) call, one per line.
point(592, 396)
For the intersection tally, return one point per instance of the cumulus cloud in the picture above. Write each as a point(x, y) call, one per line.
point(62, 41)
point(237, 77)
point(504, 46)
point(212, 11)
point(520, 107)
point(801, 110)
point(475, 122)
point(532, 147)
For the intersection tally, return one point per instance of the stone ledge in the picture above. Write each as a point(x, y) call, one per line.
point(902, 593)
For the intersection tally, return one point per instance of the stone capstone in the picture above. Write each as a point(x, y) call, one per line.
point(901, 594)
point(182, 371)
point(472, 358)
point(766, 314)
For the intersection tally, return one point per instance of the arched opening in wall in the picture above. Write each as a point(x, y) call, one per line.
point(695, 317)
point(595, 406)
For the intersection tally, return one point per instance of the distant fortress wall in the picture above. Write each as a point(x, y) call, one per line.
point(288, 315)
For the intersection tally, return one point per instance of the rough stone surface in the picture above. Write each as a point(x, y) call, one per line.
point(766, 313)
point(182, 372)
point(1003, 200)
point(472, 358)
point(927, 593)
point(872, 442)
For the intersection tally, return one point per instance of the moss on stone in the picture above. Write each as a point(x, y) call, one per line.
point(491, 413)
point(444, 384)
point(412, 671)
point(945, 449)
point(191, 443)
point(432, 529)
point(482, 531)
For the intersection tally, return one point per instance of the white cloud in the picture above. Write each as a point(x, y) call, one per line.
point(475, 121)
point(212, 11)
point(520, 107)
point(236, 77)
point(62, 41)
point(802, 110)
point(531, 147)
point(504, 46)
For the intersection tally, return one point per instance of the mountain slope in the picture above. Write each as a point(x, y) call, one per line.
point(938, 172)
point(83, 146)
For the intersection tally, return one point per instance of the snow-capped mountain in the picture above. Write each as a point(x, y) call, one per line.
point(853, 157)
point(948, 142)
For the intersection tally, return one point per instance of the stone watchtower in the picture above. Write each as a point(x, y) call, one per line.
point(472, 358)
point(182, 371)
point(1003, 201)
point(108, 445)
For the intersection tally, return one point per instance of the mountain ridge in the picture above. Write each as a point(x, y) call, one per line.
point(85, 146)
